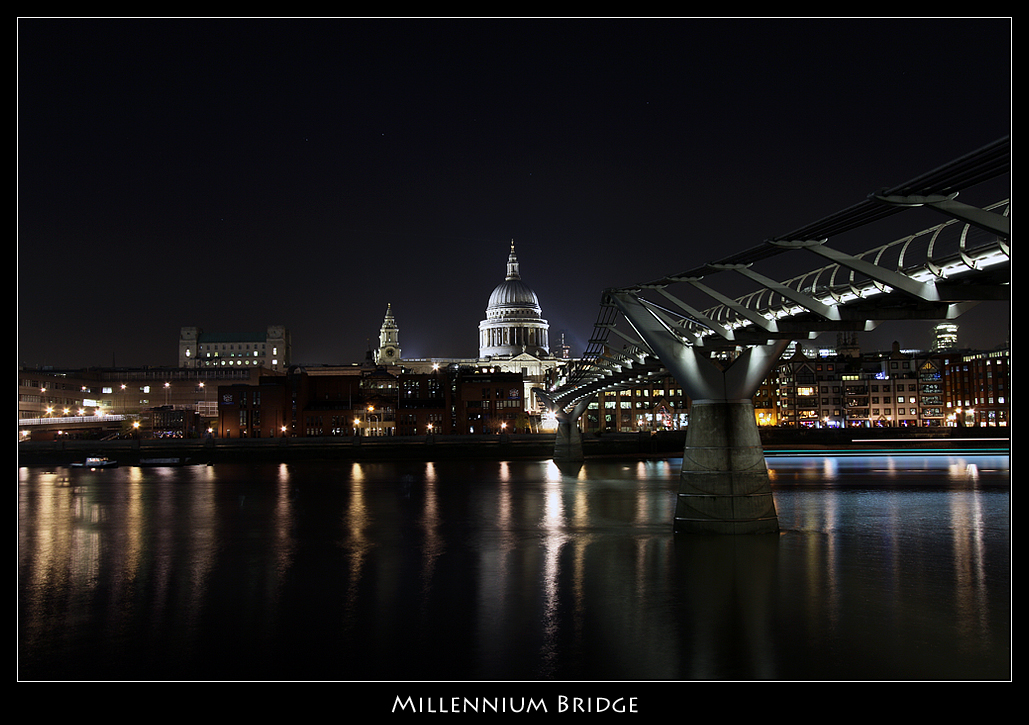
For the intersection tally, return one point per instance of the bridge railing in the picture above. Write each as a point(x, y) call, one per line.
point(944, 251)
point(72, 420)
point(601, 354)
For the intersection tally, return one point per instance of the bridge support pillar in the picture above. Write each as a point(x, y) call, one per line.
point(724, 486)
point(568, 444)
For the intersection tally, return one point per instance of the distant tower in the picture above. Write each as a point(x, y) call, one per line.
point(565, 348)
point(189, 340)
point(945, 336)
point(514, 319)
point(388, 352)
point(847, 345)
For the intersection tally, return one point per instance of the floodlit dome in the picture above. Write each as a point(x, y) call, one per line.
point(514, 323)
point(513, 294)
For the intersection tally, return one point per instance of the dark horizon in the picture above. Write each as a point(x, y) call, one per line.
point(234, 174)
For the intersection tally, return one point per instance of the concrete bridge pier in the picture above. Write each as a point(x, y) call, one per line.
point(568, 443)
point(723, 486)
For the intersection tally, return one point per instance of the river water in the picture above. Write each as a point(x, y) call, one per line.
point(888, 567)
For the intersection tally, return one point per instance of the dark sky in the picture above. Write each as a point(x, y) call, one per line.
point(233, 174)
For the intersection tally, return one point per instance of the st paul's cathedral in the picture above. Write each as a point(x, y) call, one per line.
point(514, 337)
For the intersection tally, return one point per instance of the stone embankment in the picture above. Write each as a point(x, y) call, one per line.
point(438, 447)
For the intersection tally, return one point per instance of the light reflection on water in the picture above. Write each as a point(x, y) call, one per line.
point(887, 567)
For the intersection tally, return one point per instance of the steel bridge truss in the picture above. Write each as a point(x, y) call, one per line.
point(936, 273)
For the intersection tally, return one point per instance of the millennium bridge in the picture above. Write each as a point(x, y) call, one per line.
point(720, 346)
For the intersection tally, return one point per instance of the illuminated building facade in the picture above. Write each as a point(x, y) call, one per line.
point(514, 321)
point(133, 394)
point(270, 349)
point(894, 389)
point(658, 405)
point(945, 336)
point(977, 388)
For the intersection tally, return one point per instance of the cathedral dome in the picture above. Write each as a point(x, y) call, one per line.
point(514, 322)
point(513, 295)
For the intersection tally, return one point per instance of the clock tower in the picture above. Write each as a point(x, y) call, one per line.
point(388, 352)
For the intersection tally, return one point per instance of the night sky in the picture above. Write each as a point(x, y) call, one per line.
point(234, 174)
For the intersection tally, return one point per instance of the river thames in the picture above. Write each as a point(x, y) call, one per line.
point(888, 566)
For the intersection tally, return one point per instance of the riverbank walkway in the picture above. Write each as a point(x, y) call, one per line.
point(538, 446)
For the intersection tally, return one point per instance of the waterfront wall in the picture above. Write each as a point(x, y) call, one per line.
point(438, 447)
point(435, 447)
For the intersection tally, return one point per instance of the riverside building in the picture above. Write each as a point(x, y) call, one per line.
point(270, 349)
point(894, 389)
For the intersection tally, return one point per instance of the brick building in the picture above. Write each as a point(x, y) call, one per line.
point(374, 401)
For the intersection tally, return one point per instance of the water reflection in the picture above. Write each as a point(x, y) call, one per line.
point(884, 468)
point(511, 570)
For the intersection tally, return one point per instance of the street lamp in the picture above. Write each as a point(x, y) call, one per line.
point(206, 412)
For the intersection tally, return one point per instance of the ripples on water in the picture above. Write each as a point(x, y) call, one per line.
point(887, 567)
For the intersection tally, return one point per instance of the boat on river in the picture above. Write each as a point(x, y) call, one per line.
point(95, 462)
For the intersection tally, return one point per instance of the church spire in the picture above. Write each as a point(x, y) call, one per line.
point(388, 351)
point(512, 264)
